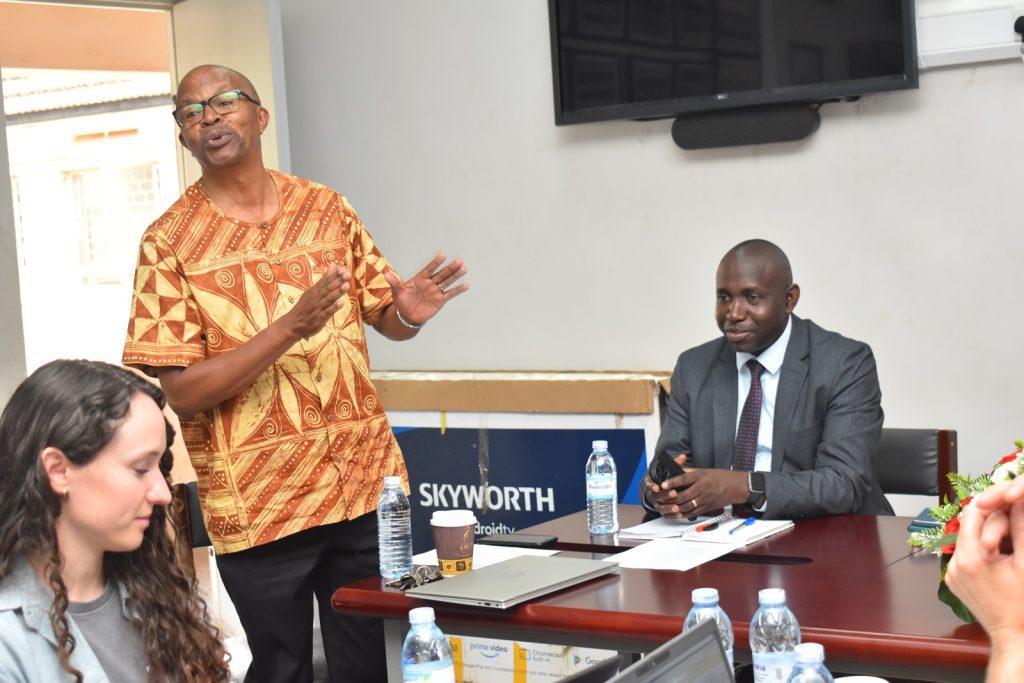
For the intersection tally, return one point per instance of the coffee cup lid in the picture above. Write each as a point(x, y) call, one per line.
point(452, 518)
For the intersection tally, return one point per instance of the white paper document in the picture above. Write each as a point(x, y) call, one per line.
point(667, 527)
point(742, 532)
point(484, 555)
point(670, 553)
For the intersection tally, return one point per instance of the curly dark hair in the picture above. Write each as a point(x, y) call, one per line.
point(77, 407)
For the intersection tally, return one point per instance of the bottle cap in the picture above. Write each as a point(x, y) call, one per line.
point(810, 653)
point(392, 481)
point(772, 596)
point(600, 445)
point(704, 596)
point(421, 615)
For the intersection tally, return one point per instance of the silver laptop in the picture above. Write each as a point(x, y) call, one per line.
point(513, 581)
point(692, 657)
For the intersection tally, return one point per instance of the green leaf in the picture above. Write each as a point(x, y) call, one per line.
point(947, 596)
point(967, 486)
point(944, 513)
point(926, 538)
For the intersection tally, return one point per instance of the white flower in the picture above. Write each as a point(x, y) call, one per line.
point(1008, 470)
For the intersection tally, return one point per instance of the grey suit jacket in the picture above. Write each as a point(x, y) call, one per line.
point(828, 420)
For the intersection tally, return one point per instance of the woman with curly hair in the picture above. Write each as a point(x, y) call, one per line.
point(89, 586)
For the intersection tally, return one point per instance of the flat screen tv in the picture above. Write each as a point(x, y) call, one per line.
point(642, 59)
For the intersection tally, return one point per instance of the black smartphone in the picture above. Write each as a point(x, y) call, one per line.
point(667, 467)
point(519, 540)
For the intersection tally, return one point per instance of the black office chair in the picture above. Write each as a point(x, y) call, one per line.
point(916, 461)
point(187, 520)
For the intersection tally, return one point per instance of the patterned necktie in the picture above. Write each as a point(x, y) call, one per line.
point(750, 420)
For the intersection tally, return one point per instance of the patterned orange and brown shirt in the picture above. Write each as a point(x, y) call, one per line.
point(308, 443)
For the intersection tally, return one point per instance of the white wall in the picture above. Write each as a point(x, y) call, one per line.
point(234, 32)
point(595, 246)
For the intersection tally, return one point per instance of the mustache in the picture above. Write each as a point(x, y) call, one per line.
point(216, 131)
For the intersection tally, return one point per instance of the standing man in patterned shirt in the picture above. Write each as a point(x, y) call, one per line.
point(251, 294)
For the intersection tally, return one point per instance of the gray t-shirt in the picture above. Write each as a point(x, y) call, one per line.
point(113, 638)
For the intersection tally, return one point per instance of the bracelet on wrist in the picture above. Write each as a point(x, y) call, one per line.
point(411, 326)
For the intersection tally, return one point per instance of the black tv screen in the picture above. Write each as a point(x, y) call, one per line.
point(638, 59)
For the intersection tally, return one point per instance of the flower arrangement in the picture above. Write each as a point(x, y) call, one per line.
point(942, 539)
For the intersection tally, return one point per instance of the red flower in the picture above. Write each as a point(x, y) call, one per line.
point(966, 502)
point(1008, 458)
point(952, 526)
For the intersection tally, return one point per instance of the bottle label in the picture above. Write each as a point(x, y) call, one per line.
point(600, 487)
point(429, 672)
point(773, 667)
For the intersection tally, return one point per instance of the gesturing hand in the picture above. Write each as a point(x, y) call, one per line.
point(420, 297)
point(318, 303)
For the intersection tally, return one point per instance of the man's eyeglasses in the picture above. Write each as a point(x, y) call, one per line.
point(188, 115)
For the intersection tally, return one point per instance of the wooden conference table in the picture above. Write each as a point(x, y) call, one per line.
point(854, 584)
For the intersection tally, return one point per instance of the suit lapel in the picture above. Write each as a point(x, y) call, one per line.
point(724, 415)
point(791, 382)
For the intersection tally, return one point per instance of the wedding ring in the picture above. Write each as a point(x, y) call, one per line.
point(694, 501)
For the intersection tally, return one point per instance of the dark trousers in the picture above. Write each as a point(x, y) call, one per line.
point(271, 586)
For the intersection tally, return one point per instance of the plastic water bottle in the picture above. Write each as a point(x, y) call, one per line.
point(810, 665)
point(774, 635)
point(426, 655)
point(705, 608)
point(394, 530)
point(602, 503)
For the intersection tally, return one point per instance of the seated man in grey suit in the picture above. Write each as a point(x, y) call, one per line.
point(797, 442)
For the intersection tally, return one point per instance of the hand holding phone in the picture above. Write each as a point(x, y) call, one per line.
point(667, 467)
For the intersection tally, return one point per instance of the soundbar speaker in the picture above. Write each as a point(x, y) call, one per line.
point(745, 126)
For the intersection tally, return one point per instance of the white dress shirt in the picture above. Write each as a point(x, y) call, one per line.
point(771, 359)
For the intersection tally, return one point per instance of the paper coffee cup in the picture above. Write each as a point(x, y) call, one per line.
point(453, 538)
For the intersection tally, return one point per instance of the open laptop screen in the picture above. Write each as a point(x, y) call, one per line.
point(692, 657)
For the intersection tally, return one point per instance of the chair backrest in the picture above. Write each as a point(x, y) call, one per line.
point(187, 520)
point(916, 461)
